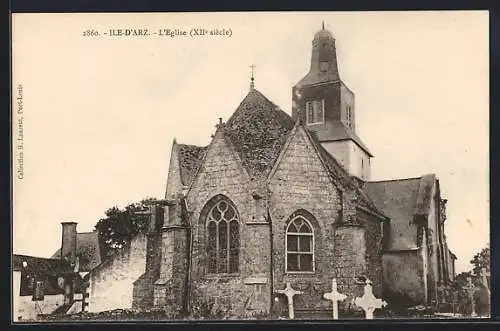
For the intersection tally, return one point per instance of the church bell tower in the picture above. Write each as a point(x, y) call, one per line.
point(326, 106)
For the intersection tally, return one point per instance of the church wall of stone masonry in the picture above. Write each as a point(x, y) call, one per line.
point(143, 291)
point(236, 295)
point(374, 246)
point(302, 182)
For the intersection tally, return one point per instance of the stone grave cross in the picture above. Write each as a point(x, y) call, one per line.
point(289, 292)
point(471, 289)
point(334, 296)
point(484, 279)
point(368, 302)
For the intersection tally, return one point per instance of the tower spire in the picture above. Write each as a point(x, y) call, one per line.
point(252, 78)
point(322, 25)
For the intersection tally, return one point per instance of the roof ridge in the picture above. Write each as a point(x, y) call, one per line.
point(394, 180)
point(36, 257)
point(191, 145)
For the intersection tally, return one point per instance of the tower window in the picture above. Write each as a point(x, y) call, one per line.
point(348, 116)
point(315, 111)
point(323, 66)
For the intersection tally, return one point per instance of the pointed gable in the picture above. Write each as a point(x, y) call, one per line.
point(190, 158)
point(185, 160)
point(257, 130)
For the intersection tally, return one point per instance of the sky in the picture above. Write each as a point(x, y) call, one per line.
point(100, 112)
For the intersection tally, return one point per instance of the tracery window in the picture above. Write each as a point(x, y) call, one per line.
point(223, 238)
point(299, 246)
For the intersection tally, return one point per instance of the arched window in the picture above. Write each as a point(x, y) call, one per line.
point(299, 246)
point(223, 238)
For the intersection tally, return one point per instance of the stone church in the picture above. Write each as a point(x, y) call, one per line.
point(276, 199)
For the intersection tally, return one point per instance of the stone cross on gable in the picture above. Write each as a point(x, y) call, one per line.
point(334, 296)
point(368, 302)
point(471, 289)
point(252, 78)
point(289, 292)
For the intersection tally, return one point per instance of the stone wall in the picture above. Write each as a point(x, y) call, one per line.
point(350, 263)
point(433, 249)
point(402, 283)
point(143, 287)
point(111, 284)
point(374, 245)
point(28, 309)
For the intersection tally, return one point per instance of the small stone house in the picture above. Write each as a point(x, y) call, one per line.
point(37, 286)
point(56, 285)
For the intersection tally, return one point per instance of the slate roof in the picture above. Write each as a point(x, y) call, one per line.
point(40, 265)
point(318, 77)
point(88, 250)
point(335, 131)
point(190, 158)
point(402, 200)
point(42, 269)
point(258, 130)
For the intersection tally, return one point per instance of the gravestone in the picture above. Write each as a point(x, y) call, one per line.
point(334, 296)
point(289, 292)
point(484, 279)
point(368, 302)
point(471, 289)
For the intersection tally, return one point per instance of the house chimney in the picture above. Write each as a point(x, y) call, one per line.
point(68, 245)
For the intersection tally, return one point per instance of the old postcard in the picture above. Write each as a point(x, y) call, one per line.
point(242, 166)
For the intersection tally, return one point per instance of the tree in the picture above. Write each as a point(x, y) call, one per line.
point(481, 260)
point(121, 225)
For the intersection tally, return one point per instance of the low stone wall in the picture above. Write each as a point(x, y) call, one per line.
point(120, 315)
point(28, 310)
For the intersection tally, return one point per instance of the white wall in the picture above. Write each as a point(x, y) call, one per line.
point(349, 154)
point(358, 168)
point(111, 286)
point(16, 289)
